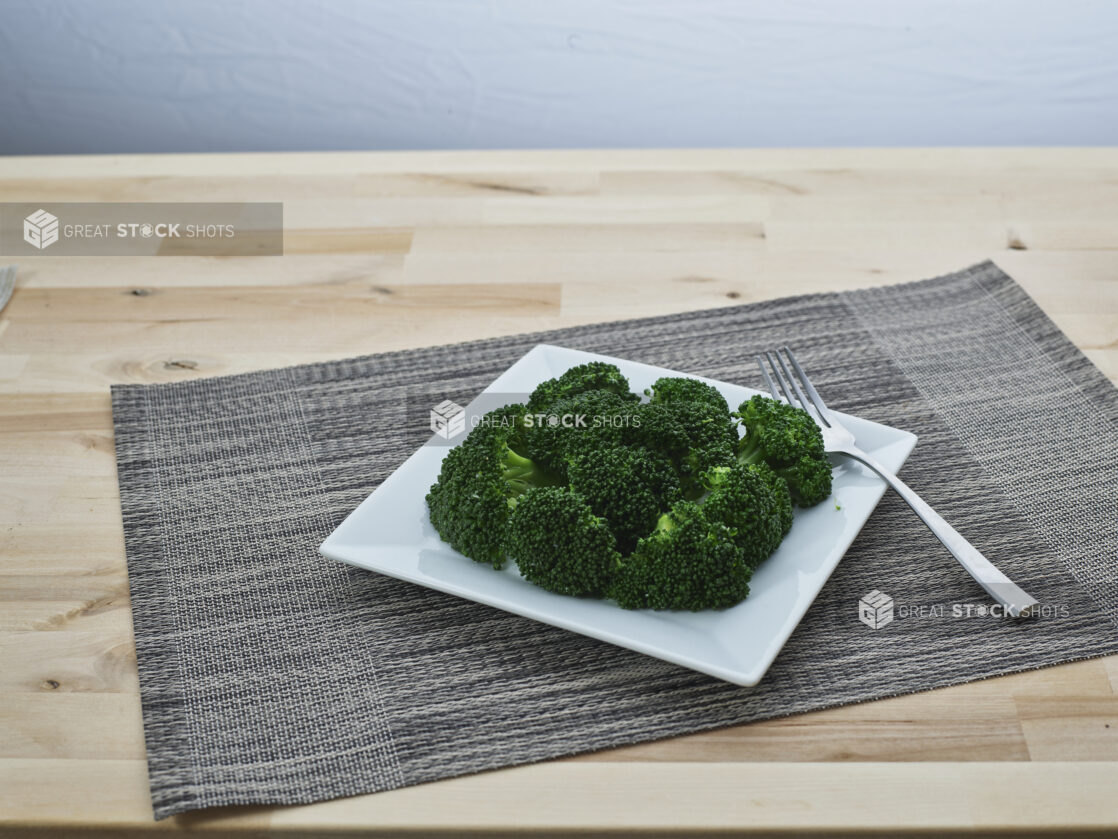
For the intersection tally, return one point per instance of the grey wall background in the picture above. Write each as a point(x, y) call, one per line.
point(129, 76)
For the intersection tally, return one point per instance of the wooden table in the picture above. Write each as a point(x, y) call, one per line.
point(387, 251)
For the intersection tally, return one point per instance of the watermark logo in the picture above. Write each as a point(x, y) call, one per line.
point(875, 610)
point(448, 419)
point(222, 228)
point(40, 229)
point(441, 412)
point(878, 609)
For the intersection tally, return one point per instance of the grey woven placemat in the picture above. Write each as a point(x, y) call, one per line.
point(272, 675)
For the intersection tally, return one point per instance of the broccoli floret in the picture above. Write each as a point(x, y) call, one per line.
point(781, 495)
point(571, 423)
point(712, 442)
point(658, 427)
point(627, 486)
point(789, 441)
point(559, 544)
point(594, 375)
point(688, 563)
point(696, 436)
point(478, 485)
point(675, 389)
point(808, 480)
point(745, 499)
point(777, 432)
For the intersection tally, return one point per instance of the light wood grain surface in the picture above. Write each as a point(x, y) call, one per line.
point(389, 251)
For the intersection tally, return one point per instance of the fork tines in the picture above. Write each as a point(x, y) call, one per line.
point(792, 383)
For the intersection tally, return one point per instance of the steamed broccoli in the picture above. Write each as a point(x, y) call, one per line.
point(658, 505)
point(569, 423)
point(702, 415)
point(687, 563)
point(594, 375)
point(781, 495)
point(695, 435)
point(679, 389)
point(627, 486)
point(659, 428)
point(713, 442)
point(559, 544)
point(808, 480)
point(789, 441)
point(745, 498)
point(478, 485)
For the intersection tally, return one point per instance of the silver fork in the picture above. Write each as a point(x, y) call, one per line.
point(7, 284)
point(796, 388)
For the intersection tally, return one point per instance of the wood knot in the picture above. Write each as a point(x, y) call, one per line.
point(51, 684)
point(733, 295)
point(180, 364)
point(142, 292)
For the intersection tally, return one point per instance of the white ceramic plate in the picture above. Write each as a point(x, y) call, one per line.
point(390, 533)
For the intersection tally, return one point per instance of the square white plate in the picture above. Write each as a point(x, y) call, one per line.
point(390, 533)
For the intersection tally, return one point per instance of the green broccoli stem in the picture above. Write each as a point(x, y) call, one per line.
point(715, 477)
point(521, 473)
point(666, 524)
point(749, 451)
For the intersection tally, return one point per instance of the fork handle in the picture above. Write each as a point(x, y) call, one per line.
point(996, 584)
